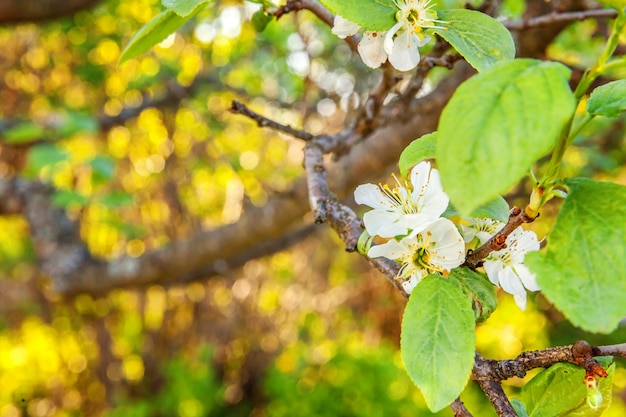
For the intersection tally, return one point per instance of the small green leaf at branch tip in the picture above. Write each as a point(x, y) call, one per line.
point(417, 151)
point(153, 32)
point(364, 243)
point(583, 269)
point(182, 7)
point(376, 15)
point(608, 100)
point(565, 382)
point(479, 38)
point(438, 340)
point(497, 124)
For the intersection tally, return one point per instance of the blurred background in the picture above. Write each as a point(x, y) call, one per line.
point(147, 153)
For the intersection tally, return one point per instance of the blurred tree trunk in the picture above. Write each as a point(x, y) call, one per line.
point(16, 11)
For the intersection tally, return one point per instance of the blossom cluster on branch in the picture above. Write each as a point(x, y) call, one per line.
point(423, 241)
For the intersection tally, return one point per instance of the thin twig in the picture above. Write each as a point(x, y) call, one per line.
point(459, 410)
point(262, 121)
point(554, 17)
point(316, 181)
point(498, 241)
point(497, 397)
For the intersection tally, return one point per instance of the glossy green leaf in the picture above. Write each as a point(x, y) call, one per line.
point(438, 340)
point(182, 7)
point(152, 33)
point(497, 209)
point(417, 151)
point(497, 124)
point(480, 38)
point(565, 381)
point(479, 289)
point(608, 100)
point(370, 14)
point(583, 270)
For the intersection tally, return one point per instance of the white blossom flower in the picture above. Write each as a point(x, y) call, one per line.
point(438, 248)
point(403, 40)
point(505, 268)
point(406, 208)
point(371, 47)
point(481, 228)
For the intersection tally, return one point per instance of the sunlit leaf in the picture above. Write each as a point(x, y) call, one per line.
point(583, 269)
point(608, 99)
point(182, 7)
point(497, 124)
point(115, 199)
point(438, 340)
point(478, 37)
point(417, 151)
point(370, 14)
point(161, 26)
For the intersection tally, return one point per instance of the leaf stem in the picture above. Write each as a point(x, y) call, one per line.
point(542, 193)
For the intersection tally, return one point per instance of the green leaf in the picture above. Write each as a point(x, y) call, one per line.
point(152, 33)
point(497, 209)
point(583, 270)
point(24, 132)
point(481, 39)
point(260, 19)
point(479, 289)
point(497, 124)
point(438, 340)
point(519, 407)
point(42, 156)
point(565, 382)
point(65, 198)
point(370, 14)
point(619, 5)
point(608, 100)
point(417, 151)
point(182, 7)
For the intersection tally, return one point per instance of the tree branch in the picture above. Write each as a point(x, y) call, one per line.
point(554, 17)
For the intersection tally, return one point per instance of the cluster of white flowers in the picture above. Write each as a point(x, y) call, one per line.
point(424, 243)
point(400, 43)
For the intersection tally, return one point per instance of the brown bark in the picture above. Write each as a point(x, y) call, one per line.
point(18, 11)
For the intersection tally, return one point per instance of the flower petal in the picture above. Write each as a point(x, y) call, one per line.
point(405, 54)
point(384, 223)
point(520, 300)
point(493, 268)
point(528, 278)
point(372, 50)
point(388, 42)
point(391, 249)
point(510, 282)
point(343, 27)
point(372, 196)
